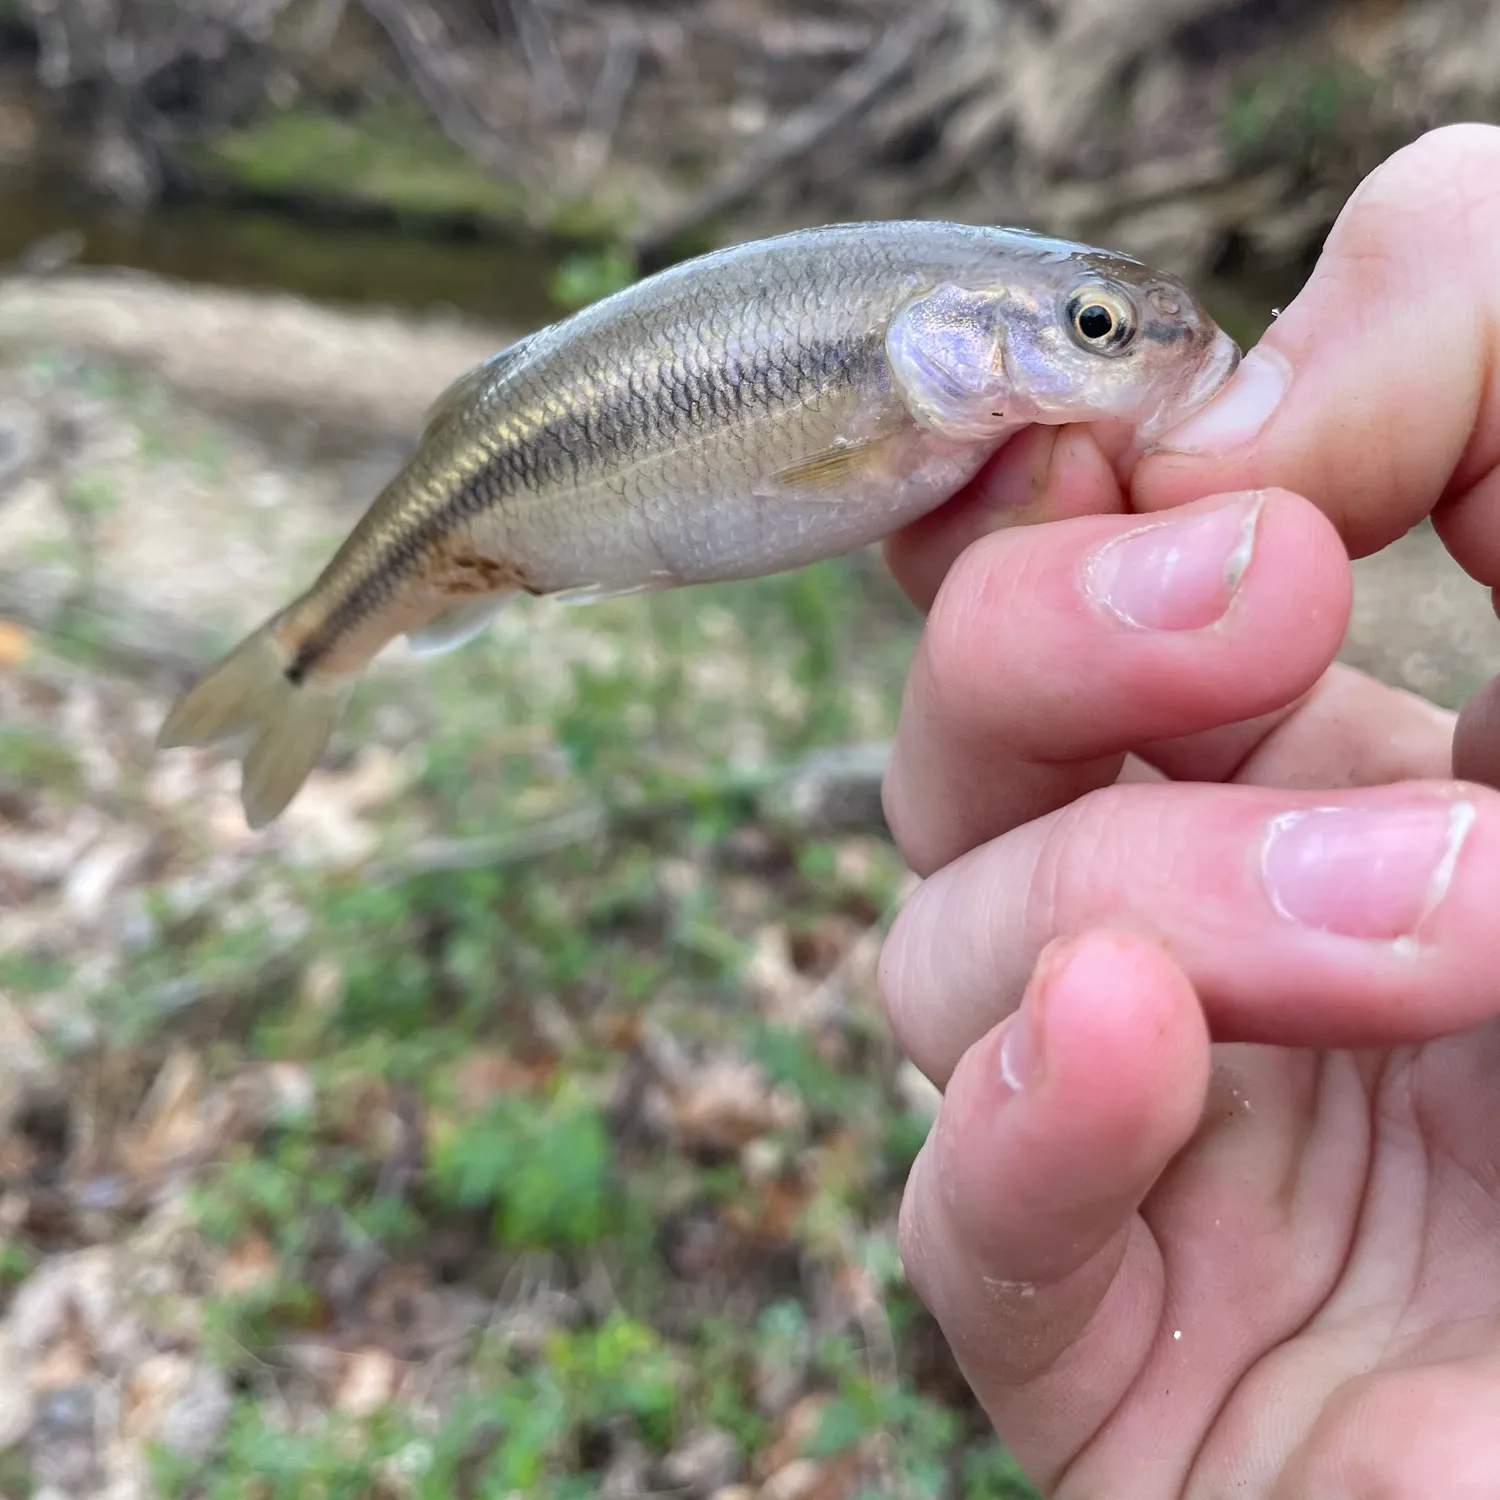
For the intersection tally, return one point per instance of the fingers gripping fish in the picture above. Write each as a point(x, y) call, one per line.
point(748, 412)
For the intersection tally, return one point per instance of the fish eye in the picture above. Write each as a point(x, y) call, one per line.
point(1100, 319)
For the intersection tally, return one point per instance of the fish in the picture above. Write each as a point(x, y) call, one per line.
point(750, 411)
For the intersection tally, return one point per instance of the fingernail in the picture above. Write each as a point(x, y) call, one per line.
point(1360, 872)
point(1179, 574)
point(1018, 1050)
point(1238, 412)
point(1021, 1039)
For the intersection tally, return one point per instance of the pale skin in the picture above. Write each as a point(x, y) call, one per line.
point(1212, 1205)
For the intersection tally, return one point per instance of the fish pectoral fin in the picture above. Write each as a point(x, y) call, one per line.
point(468, 386)
point(456, 626)
point(832, 469)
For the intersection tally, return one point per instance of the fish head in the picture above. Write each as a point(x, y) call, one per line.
point(1112, 340)
point(1077, 338)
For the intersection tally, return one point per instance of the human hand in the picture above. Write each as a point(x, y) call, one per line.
point(1218, 1211)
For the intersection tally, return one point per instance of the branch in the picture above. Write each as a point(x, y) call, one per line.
point(452, 113)
point(617, 74)
point(141, 646)
point(851, 92)
point(827, 792)
point(549, 79)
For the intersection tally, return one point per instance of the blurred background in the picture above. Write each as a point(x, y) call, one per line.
point(517, 1116)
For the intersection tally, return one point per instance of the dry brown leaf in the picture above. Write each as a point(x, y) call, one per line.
point(484, 1075)
point(619, 1030)
point(729, 1105)
point(705, 1461)
point(370, 1117)
point(770, 1215)
point(368, 1380)
point(149, 1391)
point(15, 644)
point(321, 986)
point(70, 1358)
point(169, 1124)
point(799, 1424)
point(250, 1264)
point(15, 1398)
point(23, 1061)
point(808, 1479)
point(772, 980)
point(178, 1401)
point(817, 948)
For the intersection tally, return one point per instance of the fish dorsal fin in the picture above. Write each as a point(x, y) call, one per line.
point(468, 386)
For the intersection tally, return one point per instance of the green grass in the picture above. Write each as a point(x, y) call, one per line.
point(389, 159)
point(30, 758)
point(1286, 110)
point(396, 162)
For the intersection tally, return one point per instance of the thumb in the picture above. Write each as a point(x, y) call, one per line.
point(1019, 1227)
point(1375, 394)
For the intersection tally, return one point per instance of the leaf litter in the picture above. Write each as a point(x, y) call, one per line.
point(546, 1168)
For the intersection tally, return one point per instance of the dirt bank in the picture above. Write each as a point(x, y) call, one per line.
point(1199, 132)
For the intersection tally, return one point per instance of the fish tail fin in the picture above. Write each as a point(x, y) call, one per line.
point(251, 692)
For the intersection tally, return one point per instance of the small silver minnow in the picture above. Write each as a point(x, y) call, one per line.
point(751, 411)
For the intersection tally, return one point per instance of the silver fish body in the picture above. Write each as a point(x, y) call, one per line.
point(751, 411)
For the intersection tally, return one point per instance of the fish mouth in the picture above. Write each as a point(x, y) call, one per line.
point(1212, 375)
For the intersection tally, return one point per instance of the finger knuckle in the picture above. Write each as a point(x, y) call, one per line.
point(895, 976)
point(1075, 860)
point(895, 804)
point(966, 638)
point(912, 1235)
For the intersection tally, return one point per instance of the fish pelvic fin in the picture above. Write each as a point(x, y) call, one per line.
point(288, 721)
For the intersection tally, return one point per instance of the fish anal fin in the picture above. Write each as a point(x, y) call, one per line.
point(599, 593)
point(468, 386)
point(456, 626)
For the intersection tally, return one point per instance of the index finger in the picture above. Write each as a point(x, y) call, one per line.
point(1376, 393)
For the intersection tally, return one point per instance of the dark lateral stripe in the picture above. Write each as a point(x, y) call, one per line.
point(696, 389)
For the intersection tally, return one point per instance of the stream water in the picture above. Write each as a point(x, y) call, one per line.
point(328, 260)
point(333, 260)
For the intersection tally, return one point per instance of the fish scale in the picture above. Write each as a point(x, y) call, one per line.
point(754, 410)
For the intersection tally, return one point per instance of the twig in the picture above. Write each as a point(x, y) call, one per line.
point(322, 25)
point(1149, 184)
point(617, 75)
point(933, 95)
point(828, 791)
point(850, 93)
point(581, 825)
point(548, 76)
point(452, 113)
point(138, 645)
